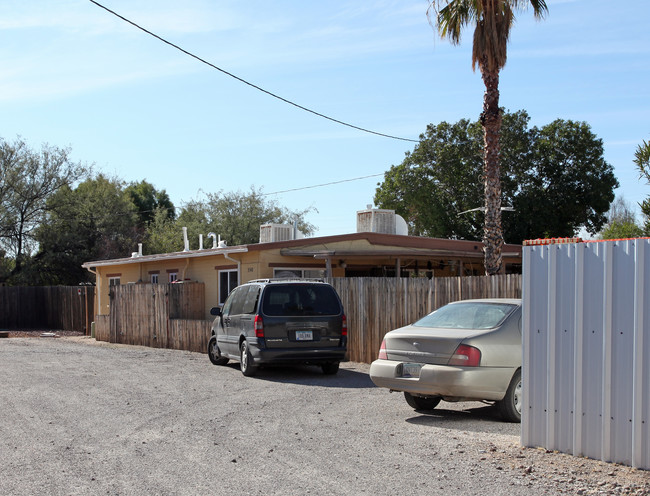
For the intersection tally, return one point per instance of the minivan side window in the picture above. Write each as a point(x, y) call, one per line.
point(228, 304)
point(238, 299)
point(250, 302)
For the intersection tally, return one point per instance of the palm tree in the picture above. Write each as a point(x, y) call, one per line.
point(493, 20)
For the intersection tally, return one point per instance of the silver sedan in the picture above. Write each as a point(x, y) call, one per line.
point(465, 351)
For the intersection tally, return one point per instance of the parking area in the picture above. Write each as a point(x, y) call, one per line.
point(83, 417)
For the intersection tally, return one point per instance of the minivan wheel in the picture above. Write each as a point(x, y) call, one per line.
point(246, 360)
point(214, 353)
point(330, 368)
point(420, 403)
point(510, 406)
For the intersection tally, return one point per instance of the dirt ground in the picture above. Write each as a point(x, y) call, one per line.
point(37, 333)
point(82, 417)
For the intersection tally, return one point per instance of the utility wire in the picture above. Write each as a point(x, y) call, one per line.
point(248, 83)
point(321, 185)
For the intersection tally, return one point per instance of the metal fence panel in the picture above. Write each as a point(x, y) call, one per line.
point(586, 350)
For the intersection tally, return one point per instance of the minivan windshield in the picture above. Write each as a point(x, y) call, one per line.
point(284, 300)
point(467, 315)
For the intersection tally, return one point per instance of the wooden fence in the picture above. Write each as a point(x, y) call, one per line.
point(171, 315)
point(375, 306)
point(156, 315)
point(67, 308)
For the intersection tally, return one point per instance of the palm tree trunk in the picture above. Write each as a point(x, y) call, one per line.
point(491, 122)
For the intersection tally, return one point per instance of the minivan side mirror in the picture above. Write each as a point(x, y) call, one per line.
point(216, 311)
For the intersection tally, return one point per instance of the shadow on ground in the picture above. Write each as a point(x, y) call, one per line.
point(306, 375)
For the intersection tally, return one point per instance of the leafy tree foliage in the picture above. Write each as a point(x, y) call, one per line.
point(49, 228)
point(28, 179)
point(492, 21)
point(234, 216)
point(555, 177)
point(148, 200)
point(95, 221)
point(642, 161)
point(621, 222)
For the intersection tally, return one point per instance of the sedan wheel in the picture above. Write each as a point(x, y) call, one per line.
point(421, 403)
point(510, 406)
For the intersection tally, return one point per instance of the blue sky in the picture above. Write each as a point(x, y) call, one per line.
point(74, 75)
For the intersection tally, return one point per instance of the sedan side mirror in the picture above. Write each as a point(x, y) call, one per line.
point(216, 311)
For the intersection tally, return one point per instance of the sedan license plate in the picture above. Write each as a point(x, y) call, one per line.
point(304, 335)
point(411, 369)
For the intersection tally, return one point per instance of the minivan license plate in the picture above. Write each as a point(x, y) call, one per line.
point(304, 335)
point(411, 369)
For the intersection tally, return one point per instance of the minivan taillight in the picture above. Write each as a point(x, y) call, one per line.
point(344, 326)
point(382, 351)
point(259, 326)
point(466, 356)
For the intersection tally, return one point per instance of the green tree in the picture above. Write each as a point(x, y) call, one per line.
point(492, 20)
point(163, 234)
point(555, 178)
point(237, 216)
point(28, 179)
point(234, 216)
point(95, 221)
point(642, 161)
point(621, 222)
point(147, 200)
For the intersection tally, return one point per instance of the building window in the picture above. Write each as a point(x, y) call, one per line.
point(173, 276)
point(299, 273)
point(113, 281)
point(228, 280)
point(154, 278)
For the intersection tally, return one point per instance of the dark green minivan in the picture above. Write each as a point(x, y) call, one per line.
point(280, 321)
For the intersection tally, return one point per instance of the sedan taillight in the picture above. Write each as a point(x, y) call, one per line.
point(259, 326)
point(466, 356)
point(382, 351)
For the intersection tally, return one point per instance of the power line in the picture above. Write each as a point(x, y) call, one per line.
point(321, 185)
point(246, 82)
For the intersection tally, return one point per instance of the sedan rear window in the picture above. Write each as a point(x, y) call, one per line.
point(470, 315)
point(300, 300)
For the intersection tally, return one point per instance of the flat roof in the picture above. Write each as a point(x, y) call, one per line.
point(318, 246)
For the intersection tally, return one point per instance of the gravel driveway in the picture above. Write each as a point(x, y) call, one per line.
point(83, 417)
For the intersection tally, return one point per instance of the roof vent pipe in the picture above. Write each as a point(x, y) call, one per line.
point(139, 249)
point(200, 241)
point(186, 242)
point(214, 239)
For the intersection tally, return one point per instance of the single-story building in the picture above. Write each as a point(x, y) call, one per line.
point(375, 251)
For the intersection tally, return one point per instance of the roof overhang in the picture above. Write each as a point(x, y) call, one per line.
point(179, 255)
point(413, 253)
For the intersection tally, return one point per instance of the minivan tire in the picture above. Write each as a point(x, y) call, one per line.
point(214, 354)
point(246, 360)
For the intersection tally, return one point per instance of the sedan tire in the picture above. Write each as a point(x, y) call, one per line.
point(510, 406)
point(421, 403)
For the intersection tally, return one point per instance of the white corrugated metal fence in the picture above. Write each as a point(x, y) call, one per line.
point(586, 346)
